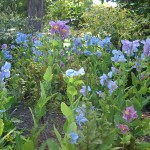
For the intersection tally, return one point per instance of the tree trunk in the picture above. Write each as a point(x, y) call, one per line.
point(35, 14)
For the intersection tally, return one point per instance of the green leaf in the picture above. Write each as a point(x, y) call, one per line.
point(143, 146)
point(48, 74)
point(1, 127)
point(143, 90)
point(33, 117)
point(67, 112)
point(55, 43)
point(72, 127)
point(78, 82)
point(134, 79)
point(28, 145)
point(58, 135)
point(52, 145)
point(71, 90)
point(43, 94)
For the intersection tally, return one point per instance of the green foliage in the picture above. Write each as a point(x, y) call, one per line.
point(118, 23)
point(66, 10)
point(18, 7)
point(139, 6)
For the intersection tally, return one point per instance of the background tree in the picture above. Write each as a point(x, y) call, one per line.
point(35, 13)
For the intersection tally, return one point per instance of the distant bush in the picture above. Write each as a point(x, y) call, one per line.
point(116, 22)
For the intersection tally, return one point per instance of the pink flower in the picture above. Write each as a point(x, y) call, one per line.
point(129, 114)
point(123, 128)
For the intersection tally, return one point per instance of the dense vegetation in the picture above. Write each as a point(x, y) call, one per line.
point(89, 63)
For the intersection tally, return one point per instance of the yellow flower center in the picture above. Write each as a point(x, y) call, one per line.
point(127, 112)
point(123, 129)
point(56, 27)
point(64, 30)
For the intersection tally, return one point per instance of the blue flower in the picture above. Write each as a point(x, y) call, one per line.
point(74, 137)
point(98, 54)
point(72, 73)
point(93, 108)
point(86, 52)
point(12, 46)
point(37, 43)
point(100, 94)
point(112, 86)
point(80, 119)
point(118, 56)
point(7, 55)
point(1, 111)
point(94, 41)
point(5, 73)
point(105, 42)
point(77, 42)
point(114, 70)
point(110, 74)
point(84, 90)
point(103, 78)
point(86, 37)
point(21, 38)
point(36, 52)
point(137, 65)
point(80, 110)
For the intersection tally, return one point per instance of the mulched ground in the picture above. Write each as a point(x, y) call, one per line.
point(22, 113)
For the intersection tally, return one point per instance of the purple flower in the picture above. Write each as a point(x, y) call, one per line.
point(112, 86)
point(4, 46)
point(80, 119)
point(60, 27)
point(123, 128)
point(64, 31)
point(61, 53)
point(130, 47)
point(129, 114)
point(146, 47)
point(74, 137)
point(62, 64)
point(84, 90)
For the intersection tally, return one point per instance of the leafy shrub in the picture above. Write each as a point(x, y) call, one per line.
point(116, 22)
point(66, 10)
